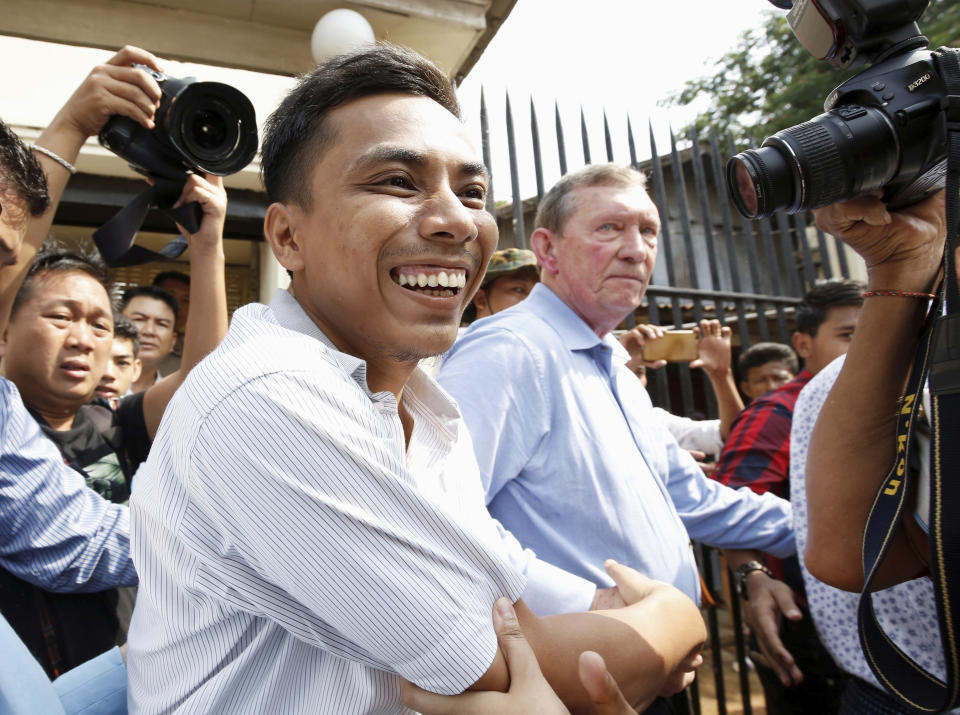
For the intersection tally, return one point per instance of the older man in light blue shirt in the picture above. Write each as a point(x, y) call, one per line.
point(573, 460)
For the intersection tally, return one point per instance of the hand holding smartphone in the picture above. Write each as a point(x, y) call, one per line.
point(673, 346)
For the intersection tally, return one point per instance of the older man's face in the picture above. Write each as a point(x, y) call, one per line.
point(606, 253)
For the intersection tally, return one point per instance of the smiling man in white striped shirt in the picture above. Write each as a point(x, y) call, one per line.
point(310, 524)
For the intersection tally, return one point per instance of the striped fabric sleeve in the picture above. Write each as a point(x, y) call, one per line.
point(757, 450)
point(312, 495)
point(54, 532)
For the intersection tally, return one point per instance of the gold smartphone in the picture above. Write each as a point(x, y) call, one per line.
point(674, 346)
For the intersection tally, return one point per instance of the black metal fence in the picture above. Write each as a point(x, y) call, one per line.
point(712, 264)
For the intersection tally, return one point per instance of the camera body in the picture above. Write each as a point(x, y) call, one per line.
point(207, 127)
point(885, 128)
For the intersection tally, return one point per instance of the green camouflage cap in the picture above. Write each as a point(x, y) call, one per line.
point(508, 260)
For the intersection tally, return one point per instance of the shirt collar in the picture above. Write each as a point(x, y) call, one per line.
point(291, 315)
point(573, 330)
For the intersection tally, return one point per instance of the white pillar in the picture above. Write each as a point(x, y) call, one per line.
point(272, 274)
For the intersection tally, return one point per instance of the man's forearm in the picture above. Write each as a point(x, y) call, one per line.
point(729, 402)
point(642, 644)
point(65, 142)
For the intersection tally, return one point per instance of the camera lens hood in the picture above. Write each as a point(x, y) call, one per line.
point(213, 126)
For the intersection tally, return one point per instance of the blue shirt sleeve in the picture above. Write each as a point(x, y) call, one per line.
point(54, 532)
point(724, 517)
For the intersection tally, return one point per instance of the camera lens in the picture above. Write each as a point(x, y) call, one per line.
point(213, 126)
point(760, 181)
point(208, 129)
point(844, 153)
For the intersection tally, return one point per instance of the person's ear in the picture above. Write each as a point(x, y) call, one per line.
point(544, 243)
point(481, 303)
point(137, 369)
point(4, 338)
point(280, 228)
point(743, 387)
point(802, 344)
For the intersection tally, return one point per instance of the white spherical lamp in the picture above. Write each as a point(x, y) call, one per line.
point(340, 31)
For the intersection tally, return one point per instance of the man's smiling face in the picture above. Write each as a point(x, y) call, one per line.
point(393, 244)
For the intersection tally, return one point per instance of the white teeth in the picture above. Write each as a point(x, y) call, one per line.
point(422, 280)
point(402, 280)
point(443, 280)
point(432, 280)
point(462, 279)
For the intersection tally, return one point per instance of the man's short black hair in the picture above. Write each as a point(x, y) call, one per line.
point(124, 329)
point(296, 133)
point(175, 276)
point(150, 292)
point(53, 257)
point(821, 298)
point(762, 353)
point(21, 174)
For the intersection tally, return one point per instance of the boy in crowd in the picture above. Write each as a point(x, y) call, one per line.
point(155, 313)
point(764, 367)
point(124, 364)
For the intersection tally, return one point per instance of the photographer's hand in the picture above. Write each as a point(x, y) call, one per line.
point(114, 87)
point(110, 88)
point(902, 249)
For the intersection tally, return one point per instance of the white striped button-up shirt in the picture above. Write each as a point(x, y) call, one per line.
point(294, 554)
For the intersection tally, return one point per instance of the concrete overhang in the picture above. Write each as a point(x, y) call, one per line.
point(271, 36)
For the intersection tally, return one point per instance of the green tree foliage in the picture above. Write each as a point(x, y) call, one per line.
point(770, 82)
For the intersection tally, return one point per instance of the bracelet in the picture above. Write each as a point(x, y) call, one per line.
point(899, 294)
point(740, 577)
point(56, 157)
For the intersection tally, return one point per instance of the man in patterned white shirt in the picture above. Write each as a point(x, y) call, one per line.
point(907, 611)
point(310, 524)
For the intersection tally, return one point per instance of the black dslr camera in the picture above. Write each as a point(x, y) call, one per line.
point(206, 127)
point(884, 128)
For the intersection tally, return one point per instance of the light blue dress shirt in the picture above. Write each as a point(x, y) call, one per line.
point(573, 460)
point(54, 531)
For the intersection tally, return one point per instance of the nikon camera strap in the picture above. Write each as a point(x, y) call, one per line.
point(939, 357)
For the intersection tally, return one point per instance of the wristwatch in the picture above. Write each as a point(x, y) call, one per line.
point(744, 570)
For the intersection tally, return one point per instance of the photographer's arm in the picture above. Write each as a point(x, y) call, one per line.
point(853, 443)
point(207, 321)
point(111, 88)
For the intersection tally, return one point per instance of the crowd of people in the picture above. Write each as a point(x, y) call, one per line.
point(308, 510)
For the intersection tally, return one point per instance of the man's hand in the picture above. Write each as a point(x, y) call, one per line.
point(603, 689)
point(902, 249)
point(529, 692)
point(114, 87)
point(713, 345)
point(207, 191)
point(701, 460)
point(770, 600)
point(634, 340)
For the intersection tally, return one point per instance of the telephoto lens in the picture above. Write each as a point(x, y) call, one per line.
point(843, 153)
